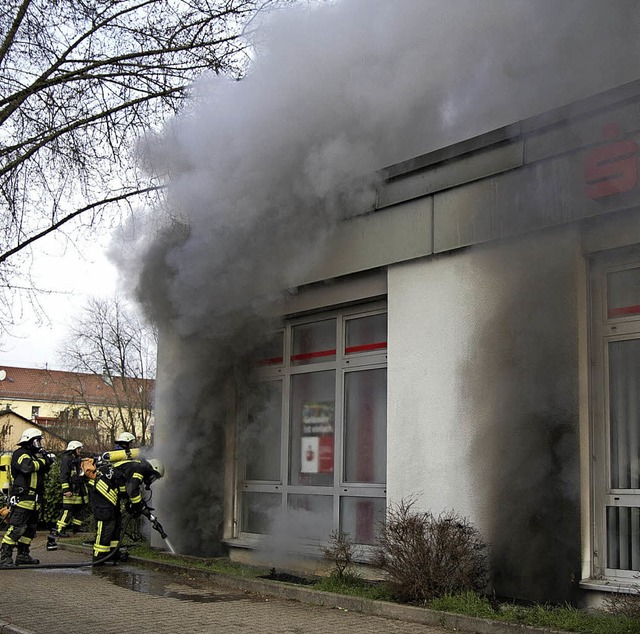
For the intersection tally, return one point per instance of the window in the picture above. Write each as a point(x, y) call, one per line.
point(615, 284)
point(35, 411)
point(313, 441)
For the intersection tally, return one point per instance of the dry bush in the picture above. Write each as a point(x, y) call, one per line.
point(341, 552)
point(425, 556)
point(625, 604)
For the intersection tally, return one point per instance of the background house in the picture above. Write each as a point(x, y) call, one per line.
point(12, 425)
point(79, 406)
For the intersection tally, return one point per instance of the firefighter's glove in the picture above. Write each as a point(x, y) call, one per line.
point(135, 510)
point(49, 458)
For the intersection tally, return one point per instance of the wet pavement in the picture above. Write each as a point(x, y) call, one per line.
point(126, 598)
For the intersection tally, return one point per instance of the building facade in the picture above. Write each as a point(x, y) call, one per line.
point(471, 341)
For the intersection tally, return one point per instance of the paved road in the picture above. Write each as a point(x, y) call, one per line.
point(126, 599)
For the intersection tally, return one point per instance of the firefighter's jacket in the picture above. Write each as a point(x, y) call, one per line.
point(28, 469)
point(70, 479)
point(122, 481)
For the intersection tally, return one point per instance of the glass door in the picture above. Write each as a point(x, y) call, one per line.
point(623, 496)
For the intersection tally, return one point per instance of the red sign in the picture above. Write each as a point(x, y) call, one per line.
point(611, 168)
point(325, 451)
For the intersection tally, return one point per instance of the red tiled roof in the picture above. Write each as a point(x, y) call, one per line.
point(56, 386)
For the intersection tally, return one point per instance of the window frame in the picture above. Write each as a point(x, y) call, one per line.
point(342, 365)
point(606, 329)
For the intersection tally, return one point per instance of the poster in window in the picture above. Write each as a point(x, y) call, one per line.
point(317, 437)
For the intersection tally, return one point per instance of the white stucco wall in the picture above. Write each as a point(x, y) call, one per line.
point(482, 352)
point(432, 303)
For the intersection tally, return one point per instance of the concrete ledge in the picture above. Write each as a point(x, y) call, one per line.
point(410, 614)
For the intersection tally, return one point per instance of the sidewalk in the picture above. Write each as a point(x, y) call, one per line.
point(177, 598)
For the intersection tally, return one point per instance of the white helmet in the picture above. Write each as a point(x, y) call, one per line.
point(29, 434)
point(74, 444)
point(157, 466)
point(125, 436)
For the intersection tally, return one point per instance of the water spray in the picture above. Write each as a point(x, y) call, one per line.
point(158, 527)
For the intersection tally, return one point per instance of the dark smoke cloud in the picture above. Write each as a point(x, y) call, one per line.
point(520, 382)
point(259, 170)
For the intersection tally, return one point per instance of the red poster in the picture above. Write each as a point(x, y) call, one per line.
point(325, 458)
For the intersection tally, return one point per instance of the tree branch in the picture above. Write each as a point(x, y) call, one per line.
point(9, 38)
point(75, 214)
point(76, 125)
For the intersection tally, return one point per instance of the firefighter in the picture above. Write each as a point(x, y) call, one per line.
point(74, 494)
point(113, 485)
point(124, 440)
point(29, 464)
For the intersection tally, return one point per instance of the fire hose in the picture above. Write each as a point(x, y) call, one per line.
point(108, 556)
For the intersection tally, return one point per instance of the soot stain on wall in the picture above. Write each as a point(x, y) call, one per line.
point(521, 383)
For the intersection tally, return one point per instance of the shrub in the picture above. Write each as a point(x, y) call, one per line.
point(425, 556)
point(52, 503)
point(341, 552)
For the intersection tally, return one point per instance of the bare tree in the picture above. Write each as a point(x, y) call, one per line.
point(5, 432)
point(110, 342)
point(80, 81)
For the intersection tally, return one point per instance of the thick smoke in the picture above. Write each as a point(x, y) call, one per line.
point(261, 170)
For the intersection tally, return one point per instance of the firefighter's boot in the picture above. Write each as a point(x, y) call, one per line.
point(52, 544)
point(116, 555)
point(97, 559)
point(23, 558)
point(6, 556)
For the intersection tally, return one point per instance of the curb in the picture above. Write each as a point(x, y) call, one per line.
point(8, 628)
point(410, 614)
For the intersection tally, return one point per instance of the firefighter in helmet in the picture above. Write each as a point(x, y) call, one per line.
point(113, 485)
point(74, 494)
point(124, 440)
point(29, 464)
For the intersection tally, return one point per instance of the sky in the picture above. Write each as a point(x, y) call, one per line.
point(70, 277)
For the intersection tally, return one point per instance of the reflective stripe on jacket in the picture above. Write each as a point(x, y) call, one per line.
point(27, 472)
point(70, 479)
